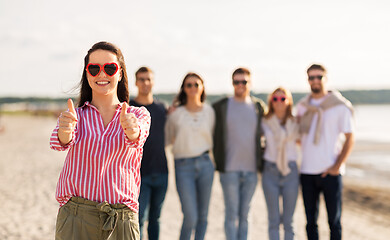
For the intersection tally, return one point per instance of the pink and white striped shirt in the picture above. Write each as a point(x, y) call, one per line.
point(102, 164)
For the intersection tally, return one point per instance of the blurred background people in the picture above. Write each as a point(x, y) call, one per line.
point(324, 116)
point(189, 129)
point(280, 179)
point(154, 170)
point(237, 151)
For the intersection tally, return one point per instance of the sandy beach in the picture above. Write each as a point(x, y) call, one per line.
point(29, 171)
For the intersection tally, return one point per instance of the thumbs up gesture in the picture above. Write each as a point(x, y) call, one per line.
point(67, 123)
point(129, 123)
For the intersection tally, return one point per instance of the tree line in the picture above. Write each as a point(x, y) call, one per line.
point(355, 96)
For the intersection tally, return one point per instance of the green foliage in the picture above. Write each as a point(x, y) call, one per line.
point(355, 96)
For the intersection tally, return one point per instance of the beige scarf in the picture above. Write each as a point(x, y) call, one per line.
point(333, 98)
point(281, 136)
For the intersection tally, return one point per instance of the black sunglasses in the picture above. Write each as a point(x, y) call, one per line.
point(189, 85)
point(312, 78)
point(237, 82)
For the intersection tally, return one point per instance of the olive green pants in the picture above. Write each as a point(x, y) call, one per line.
point(81, 219)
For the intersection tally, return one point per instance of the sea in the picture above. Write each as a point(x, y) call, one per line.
point(370, 160)
point(372, 123)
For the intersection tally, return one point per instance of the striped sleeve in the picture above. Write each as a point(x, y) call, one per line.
point(143, 118)
point(55, 142)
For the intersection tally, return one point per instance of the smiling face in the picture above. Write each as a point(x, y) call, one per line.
point(241, 84)
point(317, 80)
point(280, 101)
point(144, 82)
point(193, 87)
point(103, 84)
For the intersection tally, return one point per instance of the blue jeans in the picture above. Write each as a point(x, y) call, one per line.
point(238, 190)
point(274, 186)
point(151, 198)
point(331, 187)
point(194, 178)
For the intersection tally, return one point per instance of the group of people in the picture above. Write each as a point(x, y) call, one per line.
point(115, 174)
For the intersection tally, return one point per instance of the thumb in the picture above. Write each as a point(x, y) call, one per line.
point(124, 109)
point(71, 106)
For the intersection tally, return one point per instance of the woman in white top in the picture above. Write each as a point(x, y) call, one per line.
point(280, 175)
point(189, 129)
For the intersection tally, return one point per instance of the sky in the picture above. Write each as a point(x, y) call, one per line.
point(43, 42)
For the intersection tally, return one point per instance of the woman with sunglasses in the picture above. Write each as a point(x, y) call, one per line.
point(189, 130)
point(280, 174)
point(99, 184)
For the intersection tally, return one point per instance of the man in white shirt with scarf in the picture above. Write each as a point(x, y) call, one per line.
point(325, 117)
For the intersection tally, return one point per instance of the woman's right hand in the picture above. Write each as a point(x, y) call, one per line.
point(171, 109)
point(67, 123)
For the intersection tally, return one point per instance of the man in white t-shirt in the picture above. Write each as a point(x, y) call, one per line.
point(326, 125)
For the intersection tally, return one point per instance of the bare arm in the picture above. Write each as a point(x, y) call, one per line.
point(342, 158)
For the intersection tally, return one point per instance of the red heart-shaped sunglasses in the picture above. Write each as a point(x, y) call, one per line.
point(94, 69)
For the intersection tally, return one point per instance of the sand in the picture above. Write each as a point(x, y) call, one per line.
point(29, 171)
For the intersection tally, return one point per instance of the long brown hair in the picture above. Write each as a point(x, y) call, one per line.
point(123, 88)
point(271, 109)
point(181, 98)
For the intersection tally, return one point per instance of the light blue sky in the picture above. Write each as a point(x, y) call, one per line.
point(43, 42)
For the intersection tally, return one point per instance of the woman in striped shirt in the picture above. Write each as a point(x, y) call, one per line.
point(99, 184)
